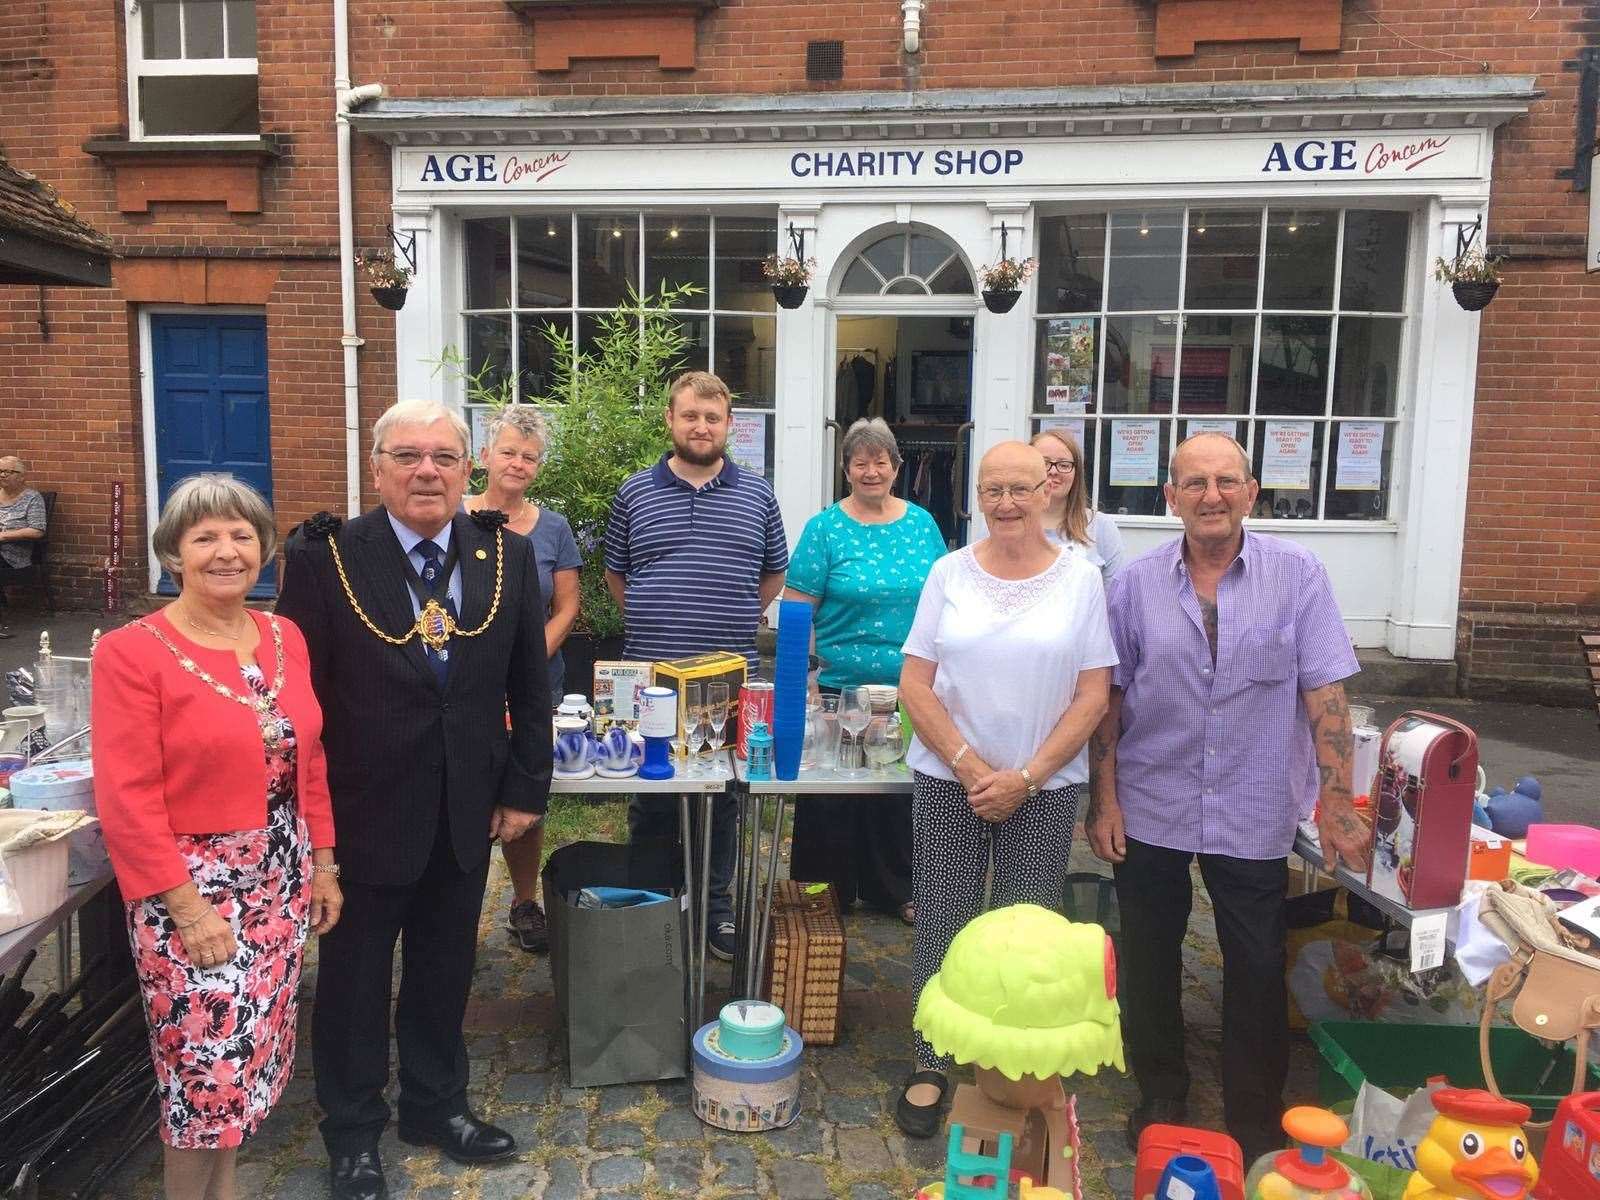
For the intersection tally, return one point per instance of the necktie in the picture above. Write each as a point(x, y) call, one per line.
point(433, 578)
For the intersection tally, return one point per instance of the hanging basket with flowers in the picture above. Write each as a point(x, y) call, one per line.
point(1002, 283)
point(388, 280)
point(1474, 278)
point(790, 278)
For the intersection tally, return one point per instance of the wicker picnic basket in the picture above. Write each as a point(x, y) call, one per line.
point(805, 957)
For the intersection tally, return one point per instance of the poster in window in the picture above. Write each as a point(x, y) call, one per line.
point(481, 415)
point(1360, 463)
point(747, 441)
point(1211, 425)
point(1071, 428)
point(1134, 448)
point(1206, 371)
point(1286, 454)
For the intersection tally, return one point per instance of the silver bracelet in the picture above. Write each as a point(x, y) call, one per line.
point(326, 869)
point(959, 753)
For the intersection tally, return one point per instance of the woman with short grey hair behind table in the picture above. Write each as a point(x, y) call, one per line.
point(511, 458)
point(1007, 673)
point(862, 563)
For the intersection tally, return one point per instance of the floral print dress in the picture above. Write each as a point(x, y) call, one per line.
point(223, 1037)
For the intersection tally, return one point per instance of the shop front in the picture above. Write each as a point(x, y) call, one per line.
point(1256, 261)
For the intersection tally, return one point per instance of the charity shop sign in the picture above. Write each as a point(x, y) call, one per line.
point(693, 164)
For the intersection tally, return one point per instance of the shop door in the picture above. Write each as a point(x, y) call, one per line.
point(211, 407)
point(916, 373)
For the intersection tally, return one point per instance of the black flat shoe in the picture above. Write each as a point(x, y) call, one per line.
point(1155, 1112)
point(463, 1138)
point(357, 1177)
point(920, 1120)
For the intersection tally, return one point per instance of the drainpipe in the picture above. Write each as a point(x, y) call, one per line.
point(911, 11)
point(344, 99)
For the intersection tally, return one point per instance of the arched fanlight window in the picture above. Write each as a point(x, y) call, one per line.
point(908, 264)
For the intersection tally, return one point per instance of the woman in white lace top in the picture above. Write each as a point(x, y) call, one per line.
point(1007, 672)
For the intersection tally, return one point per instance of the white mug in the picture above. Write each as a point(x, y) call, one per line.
point(32, 715)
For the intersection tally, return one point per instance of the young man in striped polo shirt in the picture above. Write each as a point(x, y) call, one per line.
point(695, 552)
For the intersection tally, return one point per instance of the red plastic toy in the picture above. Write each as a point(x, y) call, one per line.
point(1571, 1166)
point(1160, 1144)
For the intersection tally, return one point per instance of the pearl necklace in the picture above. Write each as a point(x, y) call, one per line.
point(271, 733)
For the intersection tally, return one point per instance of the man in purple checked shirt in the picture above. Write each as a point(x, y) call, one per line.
point(1227, 723)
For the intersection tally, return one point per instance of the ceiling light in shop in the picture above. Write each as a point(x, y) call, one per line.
point(1144, 225)
point(1294, 222)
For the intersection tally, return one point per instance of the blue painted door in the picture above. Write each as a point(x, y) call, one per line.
point(211, 406)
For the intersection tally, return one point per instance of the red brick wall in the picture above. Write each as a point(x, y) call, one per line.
point(1532, 539)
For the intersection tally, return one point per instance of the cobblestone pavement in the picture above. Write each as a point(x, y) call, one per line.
point(643, 1141)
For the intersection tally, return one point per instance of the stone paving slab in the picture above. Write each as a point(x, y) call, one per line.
point(641, 1140)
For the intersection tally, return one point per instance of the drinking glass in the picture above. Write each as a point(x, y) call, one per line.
point(884, 744)
point(811, 743)
point(828, 731)
point(700, 742)
point(855, 710)
point(717, 714)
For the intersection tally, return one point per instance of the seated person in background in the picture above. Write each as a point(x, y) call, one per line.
point(22, 523)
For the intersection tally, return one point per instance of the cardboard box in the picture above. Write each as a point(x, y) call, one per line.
point(805, 959)
point(717, 666)
point(1044, 1141)
point(616, 692)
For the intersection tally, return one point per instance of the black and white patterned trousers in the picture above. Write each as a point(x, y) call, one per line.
point(953, 849)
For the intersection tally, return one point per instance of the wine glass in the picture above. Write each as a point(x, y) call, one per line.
point(855, 711)
point(717, 714)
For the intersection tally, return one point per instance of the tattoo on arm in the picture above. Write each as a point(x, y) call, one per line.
point(1332, 738)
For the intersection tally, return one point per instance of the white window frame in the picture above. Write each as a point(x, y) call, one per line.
point(140, 67)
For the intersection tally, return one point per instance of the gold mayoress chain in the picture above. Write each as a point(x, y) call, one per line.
point(434, 624)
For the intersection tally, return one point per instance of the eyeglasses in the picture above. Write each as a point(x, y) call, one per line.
point(1018, 492)
point(1063, 466)
point(1227, 485)
point(445, 460)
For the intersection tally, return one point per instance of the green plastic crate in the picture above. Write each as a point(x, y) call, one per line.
point(1401, 1058)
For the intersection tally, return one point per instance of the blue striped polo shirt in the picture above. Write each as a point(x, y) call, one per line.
point(693, 559)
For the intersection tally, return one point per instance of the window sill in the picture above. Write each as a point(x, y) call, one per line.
point(566, 30)
point(1180, 24)
point(183, 170)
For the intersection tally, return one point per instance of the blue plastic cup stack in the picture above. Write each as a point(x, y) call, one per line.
point(789, 687)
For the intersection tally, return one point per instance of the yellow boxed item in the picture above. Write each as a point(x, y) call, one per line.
point(616, 693)
point(717, 667)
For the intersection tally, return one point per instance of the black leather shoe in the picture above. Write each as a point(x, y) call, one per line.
point(463, 1138)
point(1154, 1112)
point(919, 1120)
point(357, 1177)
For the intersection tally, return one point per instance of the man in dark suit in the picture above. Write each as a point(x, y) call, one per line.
point(425, 628)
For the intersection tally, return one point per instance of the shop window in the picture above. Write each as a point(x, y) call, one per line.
point(1282, 327)
point(567, 269)
point(192, 69)
point(907, 264)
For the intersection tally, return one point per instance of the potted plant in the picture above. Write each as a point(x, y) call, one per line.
point(790, 276)
point(1473, 277)
point(388, 280)
point(605, 408)
point(1002, 283)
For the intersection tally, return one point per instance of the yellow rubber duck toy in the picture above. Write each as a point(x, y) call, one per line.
point(1475, 1150)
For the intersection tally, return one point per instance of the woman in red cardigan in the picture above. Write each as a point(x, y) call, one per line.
point(212, 791)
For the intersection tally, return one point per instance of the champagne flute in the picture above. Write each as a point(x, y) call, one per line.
point(689, 723)
point(855, 711)
point(717, 712)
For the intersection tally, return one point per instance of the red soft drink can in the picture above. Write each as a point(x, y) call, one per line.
point(755, 704)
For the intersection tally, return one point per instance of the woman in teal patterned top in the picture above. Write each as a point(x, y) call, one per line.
point(862, 563)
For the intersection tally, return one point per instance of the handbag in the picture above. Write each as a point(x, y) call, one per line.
point(1553, 986)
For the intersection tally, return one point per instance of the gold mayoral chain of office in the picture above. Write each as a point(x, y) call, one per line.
point(434, 624)
point(259, 703)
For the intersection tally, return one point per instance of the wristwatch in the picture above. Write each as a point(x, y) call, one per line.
point(1027, 779)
